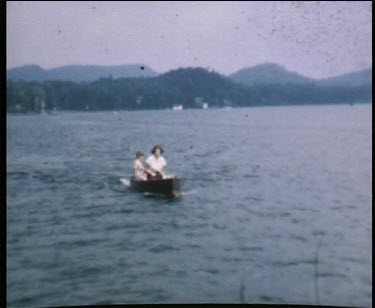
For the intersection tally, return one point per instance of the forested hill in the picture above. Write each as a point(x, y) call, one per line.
point(190, 87)
point(350, 79)
point(79, 73)
point(268, 73)
point(271, 73)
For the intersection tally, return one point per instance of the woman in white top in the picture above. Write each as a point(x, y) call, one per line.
point(157, 163)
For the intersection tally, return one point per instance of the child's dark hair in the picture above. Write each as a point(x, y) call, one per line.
point(139, 154)
point(158, 146)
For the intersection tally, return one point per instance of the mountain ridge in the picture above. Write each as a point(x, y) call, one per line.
point(79, 72)
point(261, 74)
point(268, 73)
point(271, 73)
point(349, 79)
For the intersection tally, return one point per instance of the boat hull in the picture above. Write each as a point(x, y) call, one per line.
point(165, 187)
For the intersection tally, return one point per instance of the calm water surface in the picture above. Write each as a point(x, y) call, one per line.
point(277, 208)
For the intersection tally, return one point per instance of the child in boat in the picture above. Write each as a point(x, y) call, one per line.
point(140, 171)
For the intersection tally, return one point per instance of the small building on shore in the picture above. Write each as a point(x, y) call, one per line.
point(177, 107)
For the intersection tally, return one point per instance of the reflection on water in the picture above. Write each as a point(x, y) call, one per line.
point(260, 192)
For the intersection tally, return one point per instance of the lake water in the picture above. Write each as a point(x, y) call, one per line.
point(276, 207)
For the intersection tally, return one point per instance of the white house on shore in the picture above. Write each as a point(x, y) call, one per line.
point(177, 107)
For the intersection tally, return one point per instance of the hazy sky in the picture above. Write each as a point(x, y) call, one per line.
point(317, 39)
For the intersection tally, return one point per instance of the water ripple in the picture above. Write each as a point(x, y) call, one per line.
point(163, 248)
point(294, 263)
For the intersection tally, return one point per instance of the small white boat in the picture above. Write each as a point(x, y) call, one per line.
point(177, 107)
point(205, 106)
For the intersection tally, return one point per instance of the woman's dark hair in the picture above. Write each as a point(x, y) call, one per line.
point(157, 147)
point(139, 154)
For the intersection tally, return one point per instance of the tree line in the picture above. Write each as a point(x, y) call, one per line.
point(188, 87)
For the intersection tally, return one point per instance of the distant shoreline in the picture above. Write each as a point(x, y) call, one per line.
point(190, 88)
point(186, 109)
